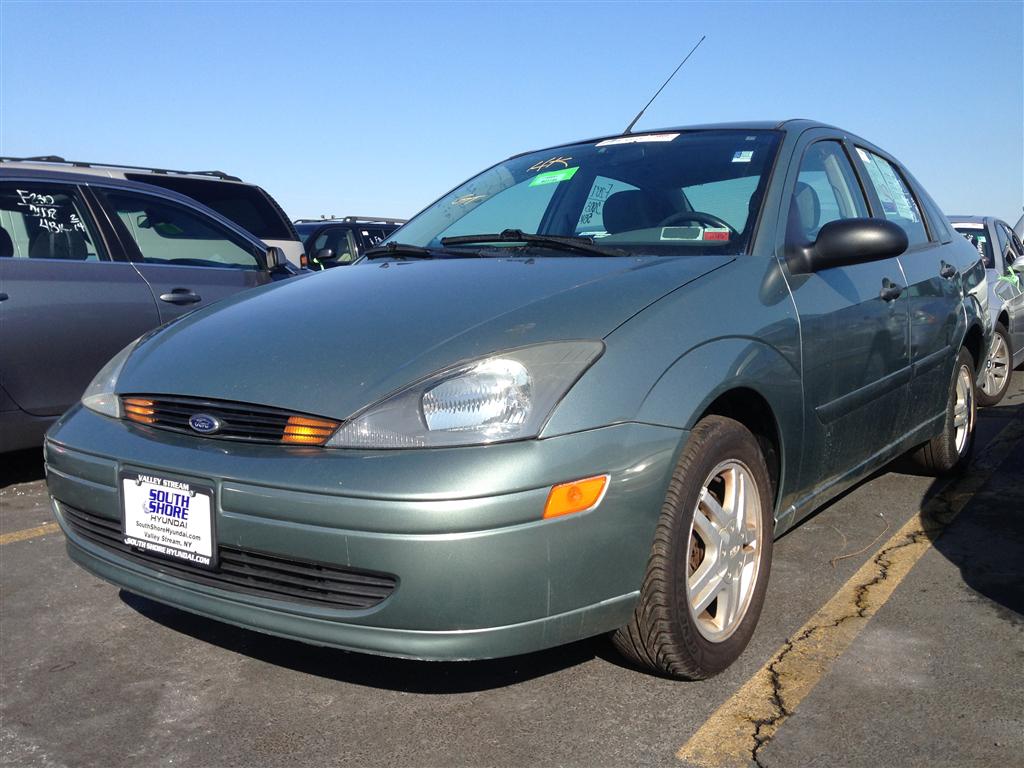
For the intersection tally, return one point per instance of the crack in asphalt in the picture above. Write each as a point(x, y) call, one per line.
point(937, 513)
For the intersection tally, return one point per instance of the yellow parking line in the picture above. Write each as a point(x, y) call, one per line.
point(29, 533)
point(737, 732)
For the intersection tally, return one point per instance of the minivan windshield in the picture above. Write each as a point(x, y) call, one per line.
point(686, 192)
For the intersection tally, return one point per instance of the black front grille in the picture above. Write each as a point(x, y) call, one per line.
point(247, 571)
point(237, 421)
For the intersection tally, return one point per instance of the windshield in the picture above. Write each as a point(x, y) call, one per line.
point(977, 235)
point(694, 192)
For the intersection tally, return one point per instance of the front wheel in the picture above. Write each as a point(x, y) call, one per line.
point(708, 568)
point(995, 378)
point(950, 450)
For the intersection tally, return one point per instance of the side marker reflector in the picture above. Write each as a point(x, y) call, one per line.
point(577, 496)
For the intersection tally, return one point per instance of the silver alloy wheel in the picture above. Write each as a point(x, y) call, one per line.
point(963, 409)
point(724, 550)
point(997, 369)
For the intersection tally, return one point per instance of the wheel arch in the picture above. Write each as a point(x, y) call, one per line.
point(743, 379)
point(974, 343)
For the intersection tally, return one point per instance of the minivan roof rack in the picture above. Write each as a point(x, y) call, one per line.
point(352, 220)
point(82, 164)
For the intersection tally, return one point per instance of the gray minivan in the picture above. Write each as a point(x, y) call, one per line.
point(86, 265)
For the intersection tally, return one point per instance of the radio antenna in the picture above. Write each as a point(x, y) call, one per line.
point(641, 113)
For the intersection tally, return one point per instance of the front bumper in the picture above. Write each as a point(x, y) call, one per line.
point(480, 575)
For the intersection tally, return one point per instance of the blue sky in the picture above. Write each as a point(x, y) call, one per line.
point(378, 108)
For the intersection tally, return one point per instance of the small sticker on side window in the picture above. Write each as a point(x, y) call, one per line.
point(743, 156)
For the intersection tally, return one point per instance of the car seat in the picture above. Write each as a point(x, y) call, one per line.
point(634, 209)
point(61, 245)
point(804, 213)
point(6, 244)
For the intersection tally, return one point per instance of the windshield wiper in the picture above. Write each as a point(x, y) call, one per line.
point(580, 244)
point(406, 250)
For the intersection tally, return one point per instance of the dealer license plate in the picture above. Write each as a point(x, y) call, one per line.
point(168, 517)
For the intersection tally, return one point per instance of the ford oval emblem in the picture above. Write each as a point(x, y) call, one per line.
point(204, 423)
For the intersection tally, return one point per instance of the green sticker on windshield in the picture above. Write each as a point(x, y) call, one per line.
point(553, 177)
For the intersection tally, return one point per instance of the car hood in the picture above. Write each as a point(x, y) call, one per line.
point(335, 342)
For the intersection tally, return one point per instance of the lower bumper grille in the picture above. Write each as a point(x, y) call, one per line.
point(251, 572)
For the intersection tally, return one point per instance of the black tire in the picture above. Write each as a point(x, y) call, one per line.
point(1002, 367)
point(662, 635)
point(940, 456)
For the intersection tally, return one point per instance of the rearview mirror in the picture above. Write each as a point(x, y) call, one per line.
point(848, 241)
point(324, 254)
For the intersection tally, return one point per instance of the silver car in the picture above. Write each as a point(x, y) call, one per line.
point(1003, 254)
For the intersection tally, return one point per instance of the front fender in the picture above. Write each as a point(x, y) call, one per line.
point(683, 394)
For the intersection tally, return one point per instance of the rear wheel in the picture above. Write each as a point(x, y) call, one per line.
point(995, 379)
point(950, 451)
point(708, 569)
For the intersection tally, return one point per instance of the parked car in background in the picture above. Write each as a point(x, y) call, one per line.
point(86, 265)
point(1003, 254)
point(247, 205)
point(580, 393)
point(336, 242)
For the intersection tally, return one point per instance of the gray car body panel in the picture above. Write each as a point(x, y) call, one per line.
point(1006, 301)
point(480, 573)
point(63, 319)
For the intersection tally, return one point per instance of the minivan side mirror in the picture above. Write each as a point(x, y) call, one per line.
point(848, 241)
point(275, 257)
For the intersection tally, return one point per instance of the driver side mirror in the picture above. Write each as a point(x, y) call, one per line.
point(848, 241)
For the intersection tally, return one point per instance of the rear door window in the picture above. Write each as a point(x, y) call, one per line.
point(46, 221)
point(168, 233)
point(898, 203)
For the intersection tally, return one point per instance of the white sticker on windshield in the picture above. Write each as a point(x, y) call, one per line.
point(968, 225)
point(642, 138)
point(744, 156)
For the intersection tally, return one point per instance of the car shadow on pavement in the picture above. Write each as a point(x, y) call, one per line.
point(405, 675)
point(986, 539)
point(21, 467)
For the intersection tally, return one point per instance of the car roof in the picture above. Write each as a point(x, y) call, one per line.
point(111, 170)
point(797, 125)
point(113, 182)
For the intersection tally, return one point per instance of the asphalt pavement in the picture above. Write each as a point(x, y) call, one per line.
point(893, 634)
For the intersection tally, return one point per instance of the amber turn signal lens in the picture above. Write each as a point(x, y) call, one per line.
point(304, 430)
point(139, 409)
point(577, 496)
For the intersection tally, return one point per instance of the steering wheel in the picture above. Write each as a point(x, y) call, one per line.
point(700, 217)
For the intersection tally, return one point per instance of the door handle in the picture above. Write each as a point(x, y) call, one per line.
point(4, 297)
point(181, 296)
point(948, 271)
point(890, 291)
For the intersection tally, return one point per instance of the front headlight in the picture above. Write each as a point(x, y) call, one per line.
point(506, 396)
point(99, 395)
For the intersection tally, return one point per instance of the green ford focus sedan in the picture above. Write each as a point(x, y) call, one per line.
point(579, 394)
